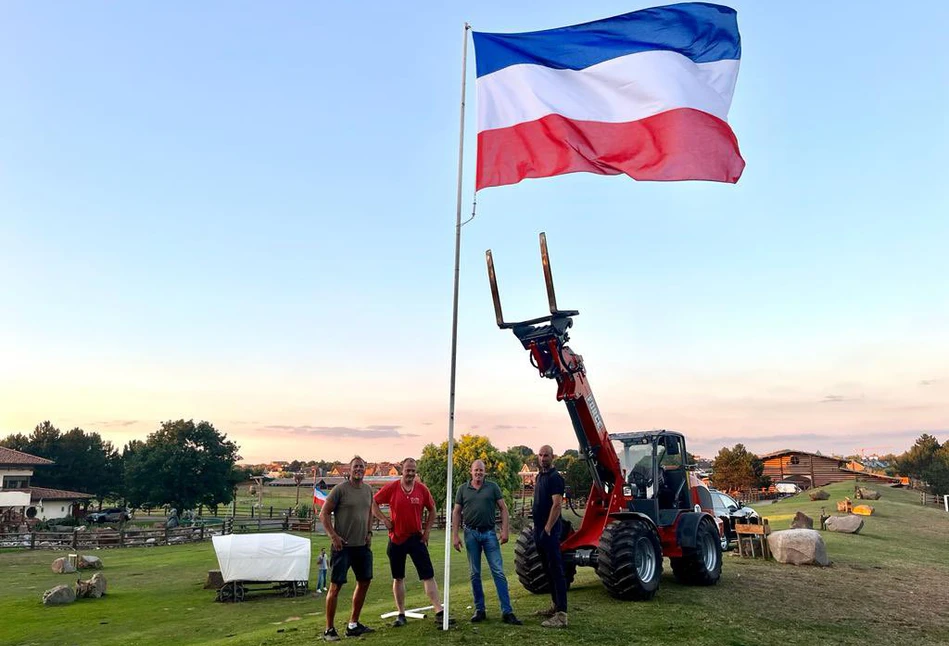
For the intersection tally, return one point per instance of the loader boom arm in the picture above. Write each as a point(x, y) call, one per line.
point(546, 338)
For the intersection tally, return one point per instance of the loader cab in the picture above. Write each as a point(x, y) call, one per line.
point(657, 474)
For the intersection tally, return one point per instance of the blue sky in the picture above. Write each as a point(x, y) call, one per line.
point(244, 213)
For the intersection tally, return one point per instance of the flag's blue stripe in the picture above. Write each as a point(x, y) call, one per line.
point(702, 32)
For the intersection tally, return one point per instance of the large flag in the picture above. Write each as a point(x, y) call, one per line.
point(646, 94)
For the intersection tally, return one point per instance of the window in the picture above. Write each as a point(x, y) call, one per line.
point(795, 459)
point(16, 482)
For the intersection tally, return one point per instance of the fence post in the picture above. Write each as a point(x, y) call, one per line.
point(166, 534)
point(32, 540)
point(122, 538)
point(75, 538)
point(271, 511)
point(252, 512)
point(202, 533)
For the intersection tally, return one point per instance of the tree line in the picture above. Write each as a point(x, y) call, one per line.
point(183, 464)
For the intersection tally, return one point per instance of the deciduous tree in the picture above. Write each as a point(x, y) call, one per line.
point(736, 469)
point(183, 465)
point(502, 467)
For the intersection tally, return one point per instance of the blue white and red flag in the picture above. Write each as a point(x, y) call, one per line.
point(644, 94)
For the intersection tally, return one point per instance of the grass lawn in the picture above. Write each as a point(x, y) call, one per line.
point(887, 585)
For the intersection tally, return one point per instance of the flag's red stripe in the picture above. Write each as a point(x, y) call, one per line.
point(679, 144)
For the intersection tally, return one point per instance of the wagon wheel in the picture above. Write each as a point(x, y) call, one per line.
point(225, 594)
point(239, 592)
point(301, 588)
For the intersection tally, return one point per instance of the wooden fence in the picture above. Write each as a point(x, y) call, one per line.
point(930, 499)
point(97, 539)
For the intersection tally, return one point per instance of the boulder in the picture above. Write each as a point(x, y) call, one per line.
point(151, 541)
point(798, 547)
point(63, 565)
point(802, 521)
point(91, 589)
point(863, 510)
point(818, 494)
point(58, 596)
point(87, 562)
point(845, 524)
point(867, 494)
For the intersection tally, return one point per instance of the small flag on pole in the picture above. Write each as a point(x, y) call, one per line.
point(644, 94)
point(319, 497)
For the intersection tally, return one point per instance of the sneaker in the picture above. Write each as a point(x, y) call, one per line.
point(479, 616)
point(559, 620)
point(399, 621)
point(358, 630)
point(511, 618)
point(330, 635)
point(549, 612)
point(440, 620)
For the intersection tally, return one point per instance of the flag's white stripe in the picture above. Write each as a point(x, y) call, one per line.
point(619, 90)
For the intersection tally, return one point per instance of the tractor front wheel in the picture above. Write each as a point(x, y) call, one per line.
point(629, 560)
point(530, 569)
point(702, 564)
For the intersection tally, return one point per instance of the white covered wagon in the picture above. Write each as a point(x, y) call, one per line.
point(276, 561)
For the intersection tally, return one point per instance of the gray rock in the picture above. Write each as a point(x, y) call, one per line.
point(867, 494)
point(818, 494)
point(93, 588)
point(845, 524)
point(63, 565)
point(151, 541)
point(58, 596)
point(802, 521)
point(87, 562)
point(798, 547)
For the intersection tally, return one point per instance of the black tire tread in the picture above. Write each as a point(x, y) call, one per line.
point(616, 560)
point(690, 568)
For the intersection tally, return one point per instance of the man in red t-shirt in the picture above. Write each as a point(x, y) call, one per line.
point(407, 497)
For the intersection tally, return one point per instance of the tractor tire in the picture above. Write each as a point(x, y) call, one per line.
point(530, 570)
point(629, 560)
point(702, 564)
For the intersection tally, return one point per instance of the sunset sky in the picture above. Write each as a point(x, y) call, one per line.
point(244, 213)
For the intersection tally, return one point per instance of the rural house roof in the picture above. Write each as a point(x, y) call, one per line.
point(42, 493)
point(775, 454)
point(14, 458)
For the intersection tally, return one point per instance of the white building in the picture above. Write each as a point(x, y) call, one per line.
point(20, 501)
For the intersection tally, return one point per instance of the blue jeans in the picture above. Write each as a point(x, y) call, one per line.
point(475, 543)
point(321, 580)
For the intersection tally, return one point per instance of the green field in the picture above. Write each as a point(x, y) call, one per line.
point(887, 585)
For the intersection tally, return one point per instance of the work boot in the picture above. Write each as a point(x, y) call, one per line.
point(511, 618)
point(559, 620)
point(549, 612)
point(399, 621)
point(479, 616)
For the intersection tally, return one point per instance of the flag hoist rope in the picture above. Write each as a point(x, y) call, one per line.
point(454, 332)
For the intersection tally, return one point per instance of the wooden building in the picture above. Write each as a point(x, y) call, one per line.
point(814, 470)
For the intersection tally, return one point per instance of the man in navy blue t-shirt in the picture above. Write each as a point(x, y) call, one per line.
point(548, 496)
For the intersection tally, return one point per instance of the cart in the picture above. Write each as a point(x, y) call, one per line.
point(253, 562)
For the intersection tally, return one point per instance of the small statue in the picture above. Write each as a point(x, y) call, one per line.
point(172, 521)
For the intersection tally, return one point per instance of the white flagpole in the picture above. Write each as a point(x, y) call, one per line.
point(454, 333)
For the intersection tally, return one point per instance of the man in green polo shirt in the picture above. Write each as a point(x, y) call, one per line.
point(475, 505)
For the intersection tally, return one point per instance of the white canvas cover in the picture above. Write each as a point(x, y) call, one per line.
point(263, 557)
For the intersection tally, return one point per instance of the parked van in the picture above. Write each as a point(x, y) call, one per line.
point(786, 487)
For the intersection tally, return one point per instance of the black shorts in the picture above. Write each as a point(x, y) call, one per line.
point(357, 558)
point(415, 548)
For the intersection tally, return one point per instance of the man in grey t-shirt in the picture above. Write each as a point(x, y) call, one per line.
point(475, 505)
point(350, 504)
